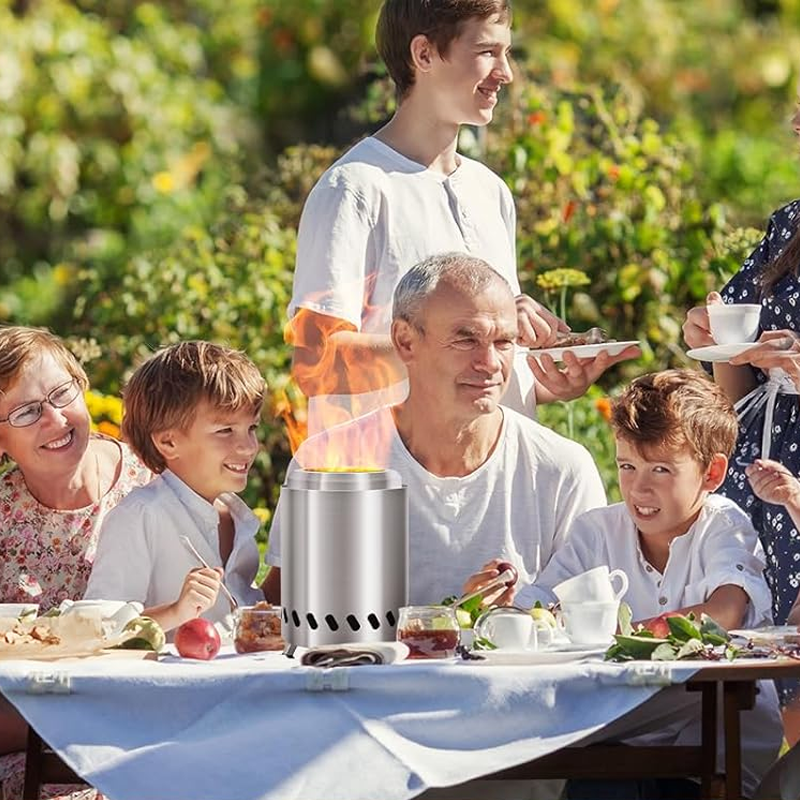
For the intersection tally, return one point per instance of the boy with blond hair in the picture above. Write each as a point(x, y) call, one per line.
point(191, 414)
point(683, 548)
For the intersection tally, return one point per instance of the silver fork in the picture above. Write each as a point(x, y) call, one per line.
point(187, 543)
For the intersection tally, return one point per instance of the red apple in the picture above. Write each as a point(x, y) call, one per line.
point(658, 627)
point(507, 565)
point(197, 638)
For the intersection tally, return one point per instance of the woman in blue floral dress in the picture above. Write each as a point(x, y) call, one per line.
point(764, 382)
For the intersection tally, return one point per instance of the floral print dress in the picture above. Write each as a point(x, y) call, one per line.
point(780, 310)
point(45, 557)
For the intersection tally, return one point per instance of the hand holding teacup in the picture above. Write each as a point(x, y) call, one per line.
point(717, 322)
point(733, 323)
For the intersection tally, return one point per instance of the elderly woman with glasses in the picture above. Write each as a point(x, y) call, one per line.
point(65, 478)
point(63, 481)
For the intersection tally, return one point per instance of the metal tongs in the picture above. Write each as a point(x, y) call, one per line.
point(193, 550)
point(504, 577)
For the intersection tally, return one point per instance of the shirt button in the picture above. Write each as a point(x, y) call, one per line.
point(740, 567)
point(662, 601)
point(649, 568)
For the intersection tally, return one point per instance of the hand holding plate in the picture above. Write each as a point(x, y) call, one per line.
point(577, 375)
point(774, 349)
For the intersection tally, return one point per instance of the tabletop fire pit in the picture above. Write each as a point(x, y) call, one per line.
point(344, 568)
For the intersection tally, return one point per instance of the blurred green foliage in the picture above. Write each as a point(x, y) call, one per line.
point(605, 190)
point(229, 283)
point(586, 421)
point(154, 158)
point(721, 73)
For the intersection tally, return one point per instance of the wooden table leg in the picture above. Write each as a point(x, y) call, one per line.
point(737, 696)
point(708, 734)
point(33, 766)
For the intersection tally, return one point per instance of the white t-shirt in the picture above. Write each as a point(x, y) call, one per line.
point(375, 214)
point(722, 547)
point(140, 555)
point(517, 505)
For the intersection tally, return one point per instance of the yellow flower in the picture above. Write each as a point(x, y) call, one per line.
point(62, 274)
point(163, 182)
point(112, 408)
point(109, 429)
point(263, 514)
point(559, 278)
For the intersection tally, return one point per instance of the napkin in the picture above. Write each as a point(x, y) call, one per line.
point(354, 655)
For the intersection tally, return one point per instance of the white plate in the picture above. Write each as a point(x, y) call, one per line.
point(719, 352)
point(771, 634)
point(582, 350)
point(559, 655)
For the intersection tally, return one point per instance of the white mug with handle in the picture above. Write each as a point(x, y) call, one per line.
point(512, 628)
point(595, 585)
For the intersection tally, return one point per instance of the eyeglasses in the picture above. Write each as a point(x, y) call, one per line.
point(30, 413)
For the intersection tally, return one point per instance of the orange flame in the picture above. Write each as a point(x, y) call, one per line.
point(293, 418)
point(333, 366)
point(356, 447)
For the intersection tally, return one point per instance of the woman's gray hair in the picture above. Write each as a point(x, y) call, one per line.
point(462, 272)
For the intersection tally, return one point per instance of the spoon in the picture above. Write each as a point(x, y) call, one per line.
point(504, 577)
point(191, 548)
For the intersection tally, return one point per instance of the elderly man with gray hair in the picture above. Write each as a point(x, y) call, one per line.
point(482, 479)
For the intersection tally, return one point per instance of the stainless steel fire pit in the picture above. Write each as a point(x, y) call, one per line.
point(344, 566)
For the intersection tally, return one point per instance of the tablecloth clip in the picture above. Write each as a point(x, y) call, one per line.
point(650, 675)
point(328, 680)
point(49, 683)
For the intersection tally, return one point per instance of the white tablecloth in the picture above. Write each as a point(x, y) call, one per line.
point(262, 728)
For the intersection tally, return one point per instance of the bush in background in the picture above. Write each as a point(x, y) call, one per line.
point(147, 192)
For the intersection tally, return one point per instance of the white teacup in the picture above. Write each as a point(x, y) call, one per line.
point(732, 323)
point(513, 629)
point(16, 610)
point(589, 623)
point(594, 585)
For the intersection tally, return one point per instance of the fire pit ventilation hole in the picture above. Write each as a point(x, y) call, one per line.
point(312, 622)
point(353, 622)
point(390, 619)
point(374, 621)
point(332, 623)
point(296, 619)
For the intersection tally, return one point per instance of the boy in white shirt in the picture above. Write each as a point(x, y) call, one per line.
point(191, 414)
point(682, 548)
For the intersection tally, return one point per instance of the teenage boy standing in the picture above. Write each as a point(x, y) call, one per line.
point(404, 194)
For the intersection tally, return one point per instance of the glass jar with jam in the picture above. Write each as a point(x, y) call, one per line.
point(428, 631)
point(257, 628)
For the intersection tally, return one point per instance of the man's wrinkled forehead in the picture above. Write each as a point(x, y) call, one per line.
point(482, 325)
point(491, 311)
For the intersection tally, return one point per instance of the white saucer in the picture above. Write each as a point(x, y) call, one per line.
point(557, 655)
point(719, 352)
point(582, 350)
point(770, 634)
point(581, 647)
